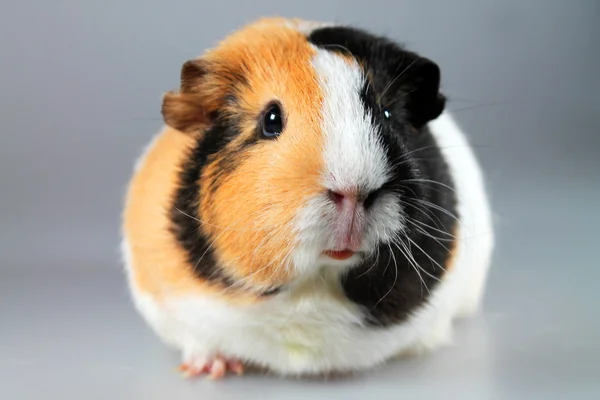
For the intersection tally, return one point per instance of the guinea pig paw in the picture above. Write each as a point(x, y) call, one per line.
point(216, 367)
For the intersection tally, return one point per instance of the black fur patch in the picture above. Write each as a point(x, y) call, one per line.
point(185, 221)
point(402, 80)
point(230, 156)
point(392, 284)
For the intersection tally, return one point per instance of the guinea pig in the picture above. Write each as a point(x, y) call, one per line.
point(308, 208)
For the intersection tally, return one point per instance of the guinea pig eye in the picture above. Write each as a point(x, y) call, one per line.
point(386, 113)
point(272, 123)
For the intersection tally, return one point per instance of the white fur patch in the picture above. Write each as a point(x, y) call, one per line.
point(476, 235)
point(353, 154)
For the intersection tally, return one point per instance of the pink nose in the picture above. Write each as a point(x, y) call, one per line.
point(344, 199)
point(352, 198)
point(348, 225)
point(339, 197)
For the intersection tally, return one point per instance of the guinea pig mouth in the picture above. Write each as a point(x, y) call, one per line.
point(339, 254)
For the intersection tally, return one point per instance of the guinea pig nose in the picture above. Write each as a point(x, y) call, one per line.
point(339, 197)
point(353, 197)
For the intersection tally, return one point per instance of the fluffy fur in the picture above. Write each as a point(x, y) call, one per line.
point(224, 232)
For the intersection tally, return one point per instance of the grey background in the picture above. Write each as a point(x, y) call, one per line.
point(80, 90)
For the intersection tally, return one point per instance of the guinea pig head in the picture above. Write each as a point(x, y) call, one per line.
point(303, 154)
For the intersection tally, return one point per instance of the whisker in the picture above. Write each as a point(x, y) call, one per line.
point(477, 106)
point(395, 278)
point(210, 246)
point(229, 228)
point(275, 259)
point(276, 231)
point(413, 151)
point(435, 207)
point(285, 261)
point(429, 235)
point(413, 263)
point(387, 265)
point(423, 180)
point(415, 222)
point(401, 96)
point(426, 212)
point(372, 266)
point(460, 146)
point(426, 254)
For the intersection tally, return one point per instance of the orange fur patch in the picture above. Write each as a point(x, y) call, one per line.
point(157, 259)
point(250, 215)
point(254, 208)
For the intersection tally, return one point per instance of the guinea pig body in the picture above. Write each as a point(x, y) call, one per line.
point(309, 206)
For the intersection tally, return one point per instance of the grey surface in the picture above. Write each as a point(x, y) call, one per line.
point(81, 84)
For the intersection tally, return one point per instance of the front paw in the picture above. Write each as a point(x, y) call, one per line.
point(215, 367)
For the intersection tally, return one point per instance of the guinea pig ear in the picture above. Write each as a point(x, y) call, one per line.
point(425, 102)
point(185, 109)
point(192, 74)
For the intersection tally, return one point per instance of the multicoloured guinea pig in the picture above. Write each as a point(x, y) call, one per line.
point(309, 207)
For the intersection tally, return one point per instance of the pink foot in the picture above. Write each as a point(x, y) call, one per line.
point(216, 367)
